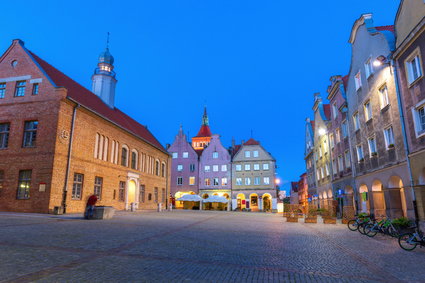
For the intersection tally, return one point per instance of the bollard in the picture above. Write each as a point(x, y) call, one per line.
point(132, 207)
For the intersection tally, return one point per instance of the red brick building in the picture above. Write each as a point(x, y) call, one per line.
point(61, 143)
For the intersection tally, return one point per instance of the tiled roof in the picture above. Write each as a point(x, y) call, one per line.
point(235, 150)
point(388, 28)
point(88, 99)
point(251, 141)
point(204, 131)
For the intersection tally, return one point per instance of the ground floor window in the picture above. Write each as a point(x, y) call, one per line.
point(121, 191)
point(98, 182)
point(163, 195)
point(142, 193)
point(77, 187)
point(156, 195)
point(24, 184)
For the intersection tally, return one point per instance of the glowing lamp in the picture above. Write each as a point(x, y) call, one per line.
point(379, 61)
point(277, 181)
point(322, 131)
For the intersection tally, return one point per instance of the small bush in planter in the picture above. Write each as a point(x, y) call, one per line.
point(374, 154)
point(391, 145)
point(402, 222)
point(362, 215)
point(361, 160)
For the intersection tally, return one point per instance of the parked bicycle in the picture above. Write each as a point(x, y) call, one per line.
point(358, 223)
point(409, 241)
point(384, 226)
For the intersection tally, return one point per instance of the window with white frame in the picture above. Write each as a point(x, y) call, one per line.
point(347, 158)
point(414, 66)
point(224, 181)
point(265, 166)
point(320, 152)
point(331, 140)
point(256, 167)
point(215, 168)
point(224, 168)
point(179, 167)
point(247, 154)
point(215, 182)
point(318, 174)
point(207, 182)
point(255, 153)
point(321, 172)
point(238, 167)
point(358, 80)
point(372, 146)
point(360, 155)
point(266, 180)
point(383, 96)
point(238, 181)
point(215, 154)
point(337, 135)
point(247, 181)
point(356, 121)
point(419, 119)
point(175, 155)
point(185, 154)
point(327, 169)
point(334, 166)
point(368, 67)
point(207, 168)
point(340, 163)
point(344, 129)
point(334, 111)
point(367, 111)
point(192, 181)
point(192, 167)
point(256, 180)
point(179, 181)
point(389, 137)
point(247, 167)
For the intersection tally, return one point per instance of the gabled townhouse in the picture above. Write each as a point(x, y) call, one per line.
point(375, 130)
point(184, 168)
point(310, 164)
point(322, 154)
point(338, 128)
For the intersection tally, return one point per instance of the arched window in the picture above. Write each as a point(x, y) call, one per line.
point(124, 156)
point(149, 196)
point(105, 149)
point(157, 167)
point(96, 146)
point(134, 158)
point(163, 169)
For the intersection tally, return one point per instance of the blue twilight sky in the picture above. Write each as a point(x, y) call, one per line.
point(256, 64)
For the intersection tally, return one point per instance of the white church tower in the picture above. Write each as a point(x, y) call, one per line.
point(104, 81)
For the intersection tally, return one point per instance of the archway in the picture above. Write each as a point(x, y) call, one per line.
point(348, 209)
point(324, 201)
point(267, 202)
point(131, 192)
point(364, 199)
point(254, 201)
point(378, 198)
point(241, 203)
point(396, 198)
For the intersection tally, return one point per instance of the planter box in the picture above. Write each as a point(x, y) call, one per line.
point(292, 219)
point(310, 220)
point(103, 212)
point(329, 220)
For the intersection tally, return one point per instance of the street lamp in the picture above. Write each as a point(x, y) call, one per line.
point(380, 60)
point(322, 131)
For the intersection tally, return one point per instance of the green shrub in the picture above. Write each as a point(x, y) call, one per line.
point(402, 222)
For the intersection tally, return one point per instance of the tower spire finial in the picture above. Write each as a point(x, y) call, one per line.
point(107, 41)
point(205, 117)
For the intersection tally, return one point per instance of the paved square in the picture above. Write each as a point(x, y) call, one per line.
point(196, 246)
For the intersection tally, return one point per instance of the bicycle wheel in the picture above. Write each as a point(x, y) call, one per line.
point(361, 228)
point(353, 225)
point(393, 232)
point(370, 230)
point(407, 241)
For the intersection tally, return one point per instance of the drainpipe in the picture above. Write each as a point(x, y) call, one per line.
point(403, 131)
point(68, 162)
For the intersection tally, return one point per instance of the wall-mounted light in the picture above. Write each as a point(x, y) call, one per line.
point(380, 60)
point(322, 131)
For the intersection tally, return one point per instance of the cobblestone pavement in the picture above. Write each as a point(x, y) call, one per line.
point(196, 246)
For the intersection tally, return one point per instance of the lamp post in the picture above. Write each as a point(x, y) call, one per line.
point(380, 61)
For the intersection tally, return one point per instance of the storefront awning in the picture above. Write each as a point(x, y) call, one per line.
point(216, 199)
point(190, 198)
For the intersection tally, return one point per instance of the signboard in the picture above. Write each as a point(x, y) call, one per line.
point(42, 187)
